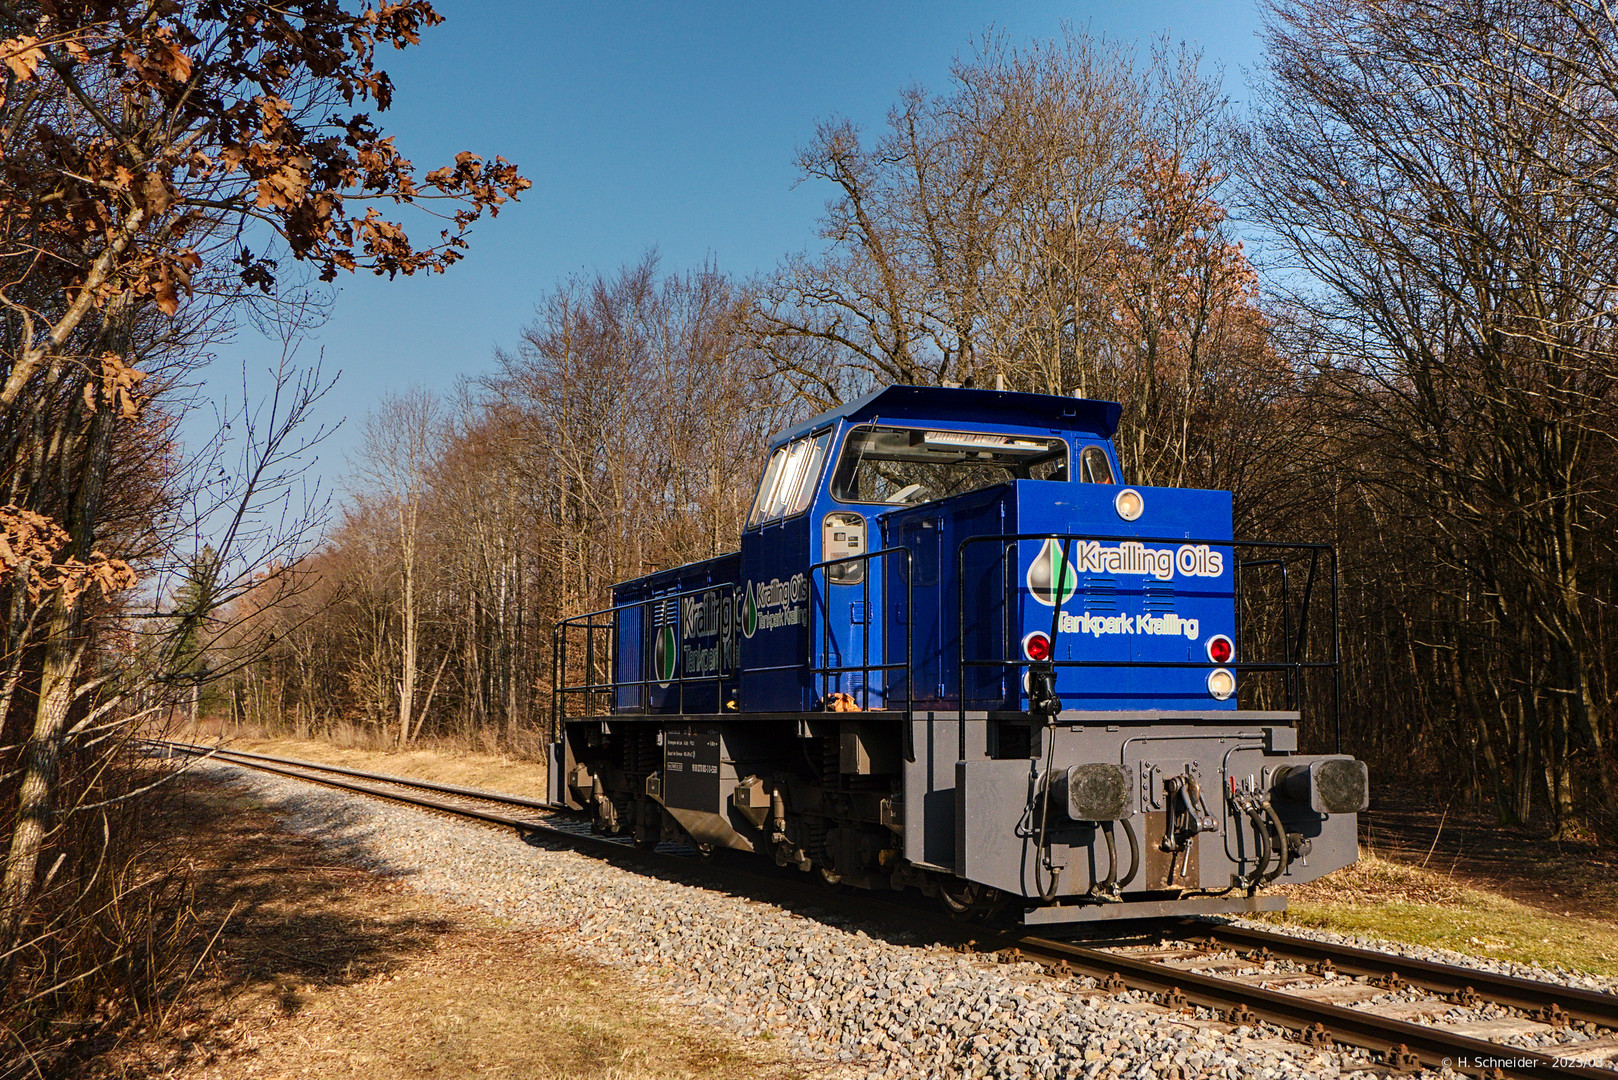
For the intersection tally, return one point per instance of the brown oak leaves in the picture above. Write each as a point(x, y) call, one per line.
point(139, 143)
point(28, 544)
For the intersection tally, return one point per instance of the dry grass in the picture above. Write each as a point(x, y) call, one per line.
point(1399, 902)
point(496, 1003)
point(492, 772)
point(107, 939)
point(325, 970)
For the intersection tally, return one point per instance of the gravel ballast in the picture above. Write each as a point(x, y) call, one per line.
point(832, 994)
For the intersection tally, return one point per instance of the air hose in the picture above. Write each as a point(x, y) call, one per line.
point(1134, 853)
point(1262, 828)
point(1283, 854)
point(1042, 858)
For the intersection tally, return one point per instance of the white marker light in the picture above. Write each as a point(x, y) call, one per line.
point(1129, 504)
point(1221, 684)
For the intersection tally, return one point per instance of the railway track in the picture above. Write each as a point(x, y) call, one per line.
point(1286, 999)
point(1321, 992)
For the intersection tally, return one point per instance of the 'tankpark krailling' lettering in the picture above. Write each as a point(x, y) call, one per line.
point(1170, 625)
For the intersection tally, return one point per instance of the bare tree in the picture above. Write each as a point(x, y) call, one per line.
point(157, 165)
point(402, 441)
point(1456, 264)
point(957, 240)
point(1050, 224)
point(620, 436)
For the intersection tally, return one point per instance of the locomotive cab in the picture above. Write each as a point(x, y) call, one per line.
point(824, 527)
point(955, 651)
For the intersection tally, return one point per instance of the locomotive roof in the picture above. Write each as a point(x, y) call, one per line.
point(931, 404)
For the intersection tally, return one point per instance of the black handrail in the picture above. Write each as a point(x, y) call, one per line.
point(828, 672)
point(560, 692)
point(1293, 666)
point(1291, 663)
point(1286, 612)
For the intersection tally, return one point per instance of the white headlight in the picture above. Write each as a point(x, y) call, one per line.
point(1221, 683)
point(1129, 504)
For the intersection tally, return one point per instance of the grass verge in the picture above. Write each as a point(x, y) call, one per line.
point(492, 772)
point(1383, 898)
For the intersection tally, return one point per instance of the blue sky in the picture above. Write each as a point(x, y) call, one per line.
point(667, 125)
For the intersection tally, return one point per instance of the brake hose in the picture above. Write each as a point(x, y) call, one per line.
point(1262, 828)
point(1042, 856)
point(1283, 856)
point(1134, 853)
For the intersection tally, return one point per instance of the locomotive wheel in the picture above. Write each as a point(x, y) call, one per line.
point(964, 899)
point(829, 876)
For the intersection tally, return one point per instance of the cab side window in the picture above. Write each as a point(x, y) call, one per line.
point(791, 475)
point(766, 487)
point(1094, 468)
point(790, 479)
point(811, 474)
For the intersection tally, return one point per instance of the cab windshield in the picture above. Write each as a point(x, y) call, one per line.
point(904, 466)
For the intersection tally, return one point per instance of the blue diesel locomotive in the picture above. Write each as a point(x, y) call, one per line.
point(956, 653)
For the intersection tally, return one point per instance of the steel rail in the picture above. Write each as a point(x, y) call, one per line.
point(1433, 1046)
point(620, 848)
point(1591, 1006)
point(307, 771)
point(1402, 1043)
point(407, 781)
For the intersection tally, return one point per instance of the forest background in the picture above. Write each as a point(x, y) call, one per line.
point(1422, 376)
point(1420, 371)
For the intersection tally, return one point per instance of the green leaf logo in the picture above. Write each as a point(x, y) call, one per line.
point(749, 613)
point(1049, 569)
point(665, 654)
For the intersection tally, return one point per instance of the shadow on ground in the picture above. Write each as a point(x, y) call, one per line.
point(323, 968)
point(273, 919)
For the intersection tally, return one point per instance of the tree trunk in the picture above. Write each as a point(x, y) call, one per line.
point(407, 657)
point(432, 689)
point(41, 756)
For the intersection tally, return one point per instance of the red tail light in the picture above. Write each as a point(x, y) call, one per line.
point(1036, 646)
point(1220, 649)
